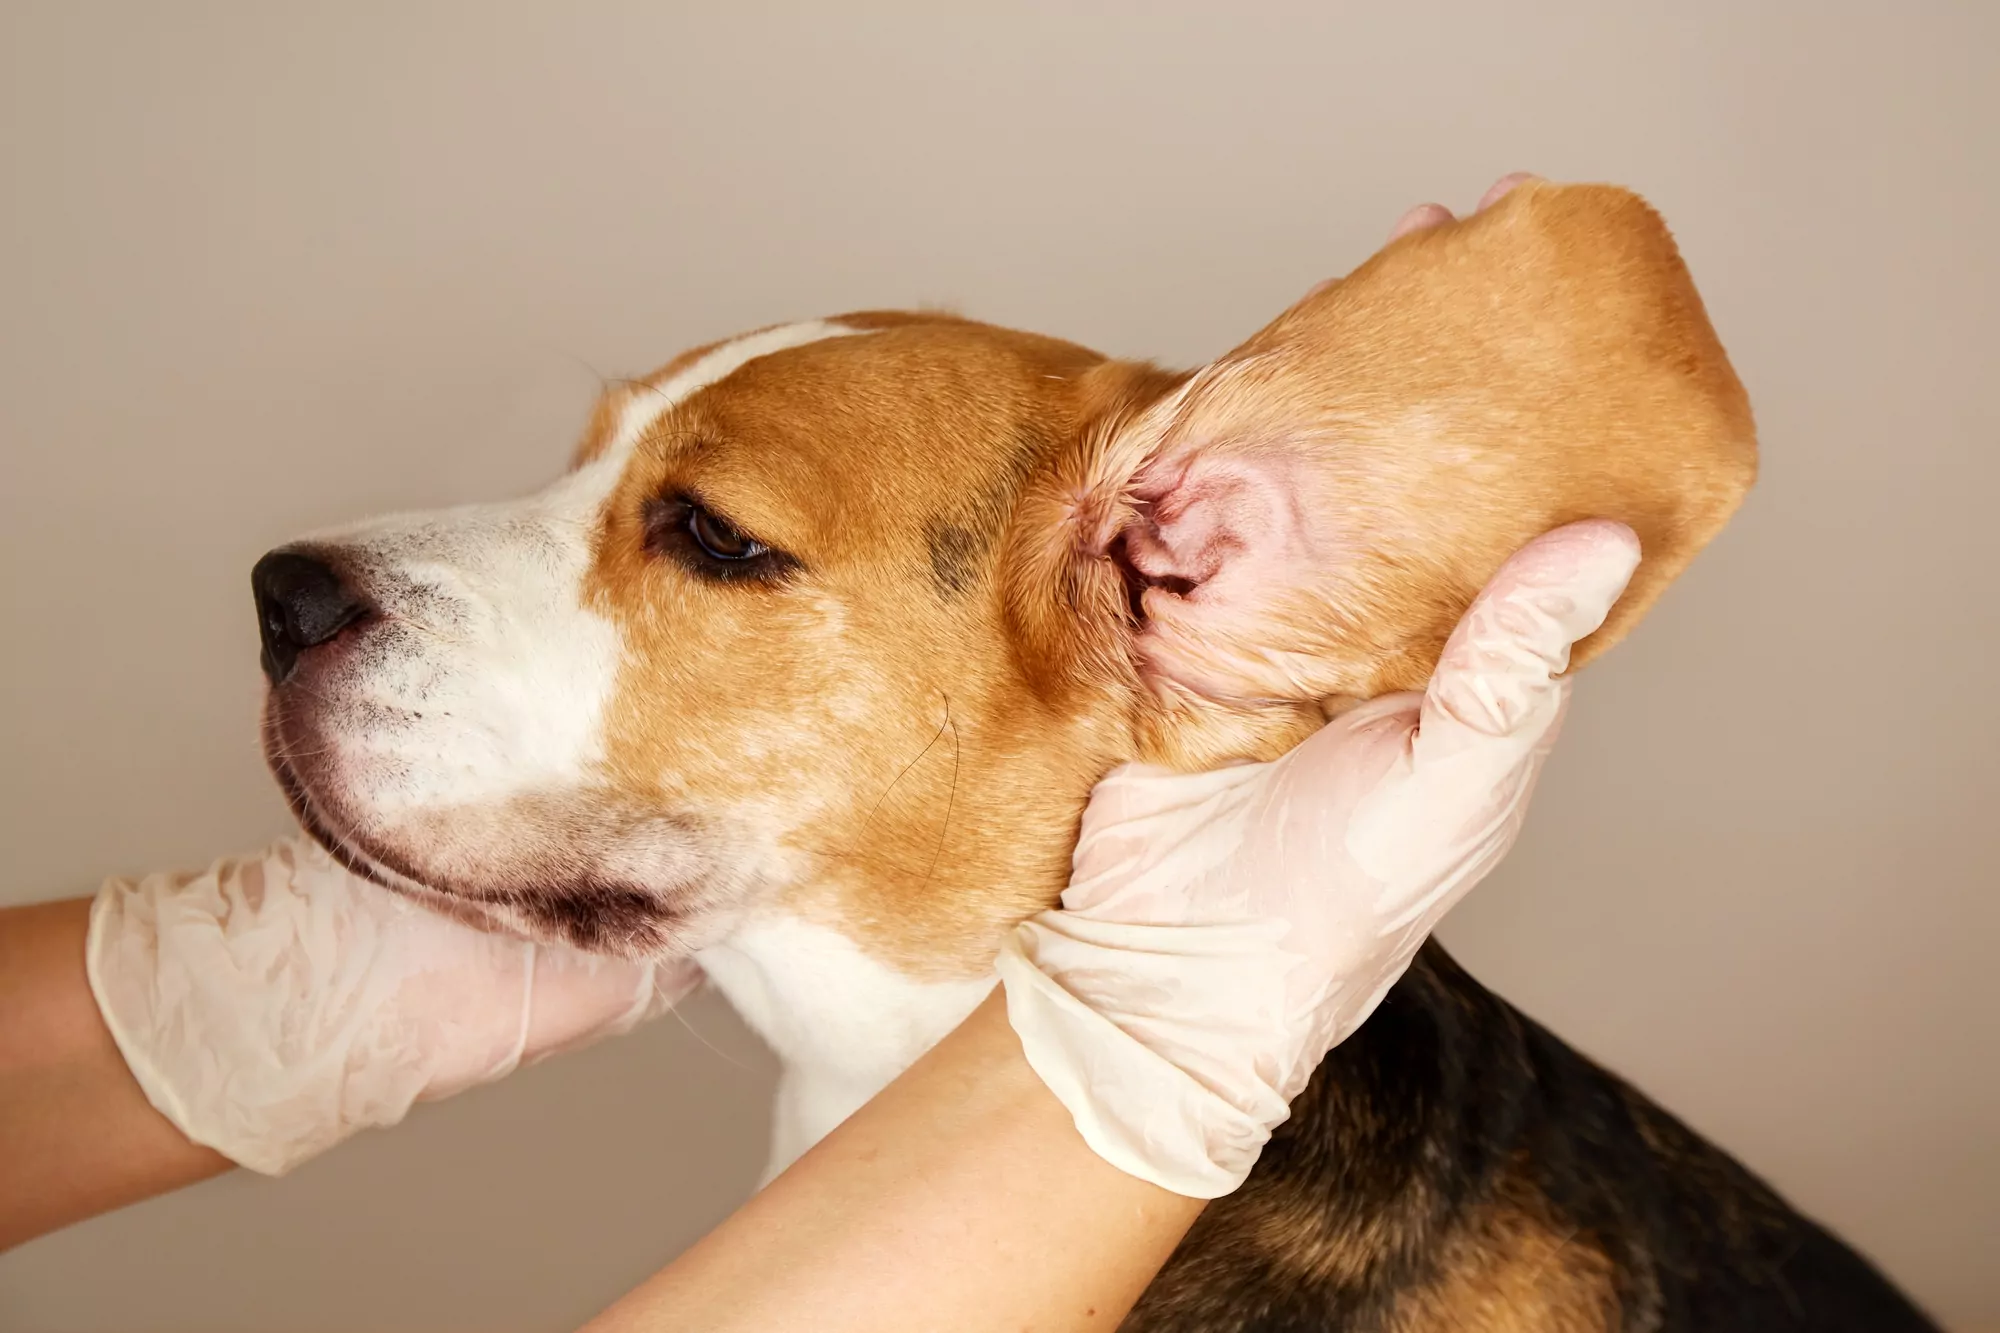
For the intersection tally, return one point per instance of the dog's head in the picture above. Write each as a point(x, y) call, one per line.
point(848, 616)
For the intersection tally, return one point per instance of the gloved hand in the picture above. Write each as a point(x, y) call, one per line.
point(276, 1004)
point(1222, 931)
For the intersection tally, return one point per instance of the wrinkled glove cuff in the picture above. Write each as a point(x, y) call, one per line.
point(1134, 1106)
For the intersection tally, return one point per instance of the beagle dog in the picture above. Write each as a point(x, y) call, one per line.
point(806, 667)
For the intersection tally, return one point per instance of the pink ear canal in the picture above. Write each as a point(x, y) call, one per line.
point(1135, 554)
point(1187, 521)
point(1209, 546)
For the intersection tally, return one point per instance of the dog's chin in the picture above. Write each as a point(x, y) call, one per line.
point(352, 854)
point(570, 905)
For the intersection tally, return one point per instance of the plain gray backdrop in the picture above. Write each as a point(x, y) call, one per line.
point(270, 266)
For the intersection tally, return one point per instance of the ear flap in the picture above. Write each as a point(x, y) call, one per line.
point(1304, 520)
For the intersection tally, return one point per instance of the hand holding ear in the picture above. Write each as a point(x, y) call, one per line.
point(1436, 215)
point(1306, 517)
point(275, 1004)
point(1222, 931)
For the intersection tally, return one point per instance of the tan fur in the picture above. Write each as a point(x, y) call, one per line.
point(1470, 387)
point(1505, 1267)
point(881, 736)
point(912, 727)
point(1514, 1273)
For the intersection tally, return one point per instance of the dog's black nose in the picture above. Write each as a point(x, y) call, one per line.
point(301, 602)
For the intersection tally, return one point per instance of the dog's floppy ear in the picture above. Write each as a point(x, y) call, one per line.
point(1302, 522)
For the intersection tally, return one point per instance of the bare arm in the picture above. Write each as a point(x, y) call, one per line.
point(961, 1197)
point(79, 1136)
point(872, 1227)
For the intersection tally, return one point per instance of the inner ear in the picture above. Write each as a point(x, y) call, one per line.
point(1131, 574)
point(1195, 521)
point(1215, 553)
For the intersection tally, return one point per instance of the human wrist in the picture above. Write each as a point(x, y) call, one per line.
point(1185, 1101)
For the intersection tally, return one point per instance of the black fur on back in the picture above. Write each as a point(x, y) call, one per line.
point(1455, 1167)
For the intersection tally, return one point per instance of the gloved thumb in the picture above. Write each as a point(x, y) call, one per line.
point(1487, 717)
point(1500, 676)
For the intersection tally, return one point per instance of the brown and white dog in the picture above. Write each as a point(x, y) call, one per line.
point(807, 667)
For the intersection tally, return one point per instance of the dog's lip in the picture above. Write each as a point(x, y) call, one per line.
point(347, 849)
point(363, 863)
point(318, 827)
point(498, 914)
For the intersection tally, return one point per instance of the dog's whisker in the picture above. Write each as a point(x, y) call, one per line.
point(951, 797)
point(431, 631)
point(869, 817)
point(695, 1032)
point(310, 692)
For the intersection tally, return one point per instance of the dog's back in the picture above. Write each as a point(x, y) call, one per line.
point(1454, 1167)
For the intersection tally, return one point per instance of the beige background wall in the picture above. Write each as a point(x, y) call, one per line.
point(267, 266)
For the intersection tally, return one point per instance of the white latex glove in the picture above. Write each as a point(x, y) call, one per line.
point(276, 1004)
point(1223, 931)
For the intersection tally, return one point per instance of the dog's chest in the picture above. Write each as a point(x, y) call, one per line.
point(842, 1023)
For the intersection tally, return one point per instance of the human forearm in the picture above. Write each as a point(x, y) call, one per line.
point(77, 1136)
point(871, 1230)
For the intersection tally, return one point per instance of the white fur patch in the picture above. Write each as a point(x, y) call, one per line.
point(486, 684)
point(843, 1023)
point(647, 403)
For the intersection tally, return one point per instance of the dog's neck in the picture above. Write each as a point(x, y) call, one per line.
point(842, 1023)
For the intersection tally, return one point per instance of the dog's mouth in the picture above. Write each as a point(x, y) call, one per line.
point(349, 849)
point(571, 900)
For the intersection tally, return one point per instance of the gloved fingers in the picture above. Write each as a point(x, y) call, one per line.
point(276, 1004)
point(1431, 786)
point(1382, 726)
point(576, 997)
point(564, 1000)
point(477, 1006)
point(674, 979)
point(1136, 792)
point(221, 988)
point(1425, 216)
point(1421, 218)
point(1501, 188)
point(1439, 820)
point(1498, 678)
point(1145, 825)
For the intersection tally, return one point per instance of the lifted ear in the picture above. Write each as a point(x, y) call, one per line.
point(1116, 523)
point(1303, 521)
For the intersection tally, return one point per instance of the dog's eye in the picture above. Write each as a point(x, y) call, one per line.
point(707, 543)
point(719, 539)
